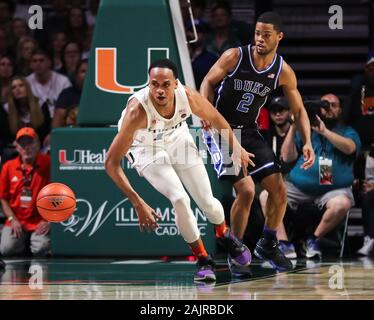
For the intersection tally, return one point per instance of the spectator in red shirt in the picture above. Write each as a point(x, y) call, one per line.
point(21, 180)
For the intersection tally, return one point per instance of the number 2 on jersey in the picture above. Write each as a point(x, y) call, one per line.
point(246, 102)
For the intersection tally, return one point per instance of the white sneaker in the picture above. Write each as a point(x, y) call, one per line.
point(367, 246)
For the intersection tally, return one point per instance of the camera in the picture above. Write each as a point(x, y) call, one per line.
point(313, 109)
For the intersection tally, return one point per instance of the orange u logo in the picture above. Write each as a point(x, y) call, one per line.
point(106, 69)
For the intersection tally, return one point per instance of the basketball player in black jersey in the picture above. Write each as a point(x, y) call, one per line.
point(245, 76)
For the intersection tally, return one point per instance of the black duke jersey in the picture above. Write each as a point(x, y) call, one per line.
point(244, 91)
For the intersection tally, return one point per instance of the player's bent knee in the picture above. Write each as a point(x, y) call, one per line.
point(213, 209)
point(209, 205)
point(181, 203)
point(246, 193)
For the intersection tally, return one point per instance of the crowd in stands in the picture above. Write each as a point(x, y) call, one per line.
point(41, 80)
point(42, 70)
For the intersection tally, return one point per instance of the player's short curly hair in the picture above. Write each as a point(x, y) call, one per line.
point(164, 63)
point(273, 18)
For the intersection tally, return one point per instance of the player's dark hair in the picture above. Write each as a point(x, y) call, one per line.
point(164, 63)
point(273, 18)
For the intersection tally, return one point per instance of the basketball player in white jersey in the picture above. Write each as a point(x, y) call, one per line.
point(154, 136)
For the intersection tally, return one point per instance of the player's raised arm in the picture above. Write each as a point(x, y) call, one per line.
point(224, 65)
point(289, 83)
point(134, 119)
point(202, 108)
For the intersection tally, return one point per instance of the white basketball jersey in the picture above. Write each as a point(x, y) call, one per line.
point(159, 129)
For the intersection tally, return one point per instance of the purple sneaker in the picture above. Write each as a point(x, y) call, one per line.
point(238, 270)
point(239, 254)
point(205, 270)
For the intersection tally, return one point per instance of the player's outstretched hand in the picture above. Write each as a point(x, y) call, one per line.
point(309, 156)
point(147, 217)
point(242, 160)
point(206, 125)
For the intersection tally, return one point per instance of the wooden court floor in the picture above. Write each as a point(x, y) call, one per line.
point(110, 279)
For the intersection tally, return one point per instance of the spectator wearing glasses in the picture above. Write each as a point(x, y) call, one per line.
point(21, 180)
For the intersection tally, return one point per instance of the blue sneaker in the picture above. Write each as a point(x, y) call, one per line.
point(288, 249)
point(312, 249)
point(205, 270)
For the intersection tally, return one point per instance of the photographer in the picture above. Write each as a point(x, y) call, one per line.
point(328, 183)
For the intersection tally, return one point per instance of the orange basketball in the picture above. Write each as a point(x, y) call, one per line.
point(56, 202)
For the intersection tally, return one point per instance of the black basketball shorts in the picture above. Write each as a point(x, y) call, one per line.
point(251, 140)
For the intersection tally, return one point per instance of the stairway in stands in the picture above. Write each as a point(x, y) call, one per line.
point(324, 60)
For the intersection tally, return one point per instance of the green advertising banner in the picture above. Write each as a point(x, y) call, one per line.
point(128, 36)
point(105, 223)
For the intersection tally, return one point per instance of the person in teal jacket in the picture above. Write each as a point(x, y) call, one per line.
point(328, 182)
